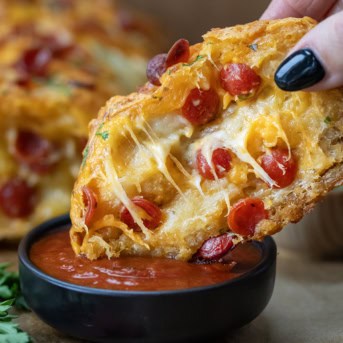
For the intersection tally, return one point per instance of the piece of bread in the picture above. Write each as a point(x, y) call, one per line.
point(144, 187)
point(60, 61)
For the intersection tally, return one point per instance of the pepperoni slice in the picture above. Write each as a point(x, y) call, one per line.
point(151, 210)
point(239, 79)
point(215, 247)
point(90, 201)
point(221, 160)
point(201, 106)
point(34, 62)
point(179, 52)
point(17, 198)
point(156, 67)
point(281, 167)
point(245, 215)
point(36, 152)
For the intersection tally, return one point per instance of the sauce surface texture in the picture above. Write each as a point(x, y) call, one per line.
point(54, 256)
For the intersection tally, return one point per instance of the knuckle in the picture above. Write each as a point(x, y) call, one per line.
point(337, 27)
point(301, 6)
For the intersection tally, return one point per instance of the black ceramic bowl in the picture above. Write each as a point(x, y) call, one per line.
point(186, 315)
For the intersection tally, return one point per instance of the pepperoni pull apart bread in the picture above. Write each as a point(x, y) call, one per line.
point(211, 155)
point(60, 61)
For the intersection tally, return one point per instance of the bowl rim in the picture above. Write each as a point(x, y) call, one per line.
point(268, 247)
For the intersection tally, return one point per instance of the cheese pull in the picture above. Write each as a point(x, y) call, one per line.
point(209, 153)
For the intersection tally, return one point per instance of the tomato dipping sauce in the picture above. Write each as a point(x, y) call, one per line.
point(54, 256)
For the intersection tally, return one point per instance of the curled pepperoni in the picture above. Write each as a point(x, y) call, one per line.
point(281, 167)
point(221, 160)
point(245, 215)
point(34, 62)
point(201, 106)
point(17, 198)
point(151, 210)
point(179, 52)
point(90, 202)
point(36, 152)
point(239, 79)
point(215, 247)
point(156, 67)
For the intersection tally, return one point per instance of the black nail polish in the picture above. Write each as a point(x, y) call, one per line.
point(299, 70)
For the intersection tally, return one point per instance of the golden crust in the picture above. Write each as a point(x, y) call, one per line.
point(149, 149)
point(106, 56)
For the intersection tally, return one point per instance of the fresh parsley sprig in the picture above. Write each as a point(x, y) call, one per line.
point(10, 286)
point(9, 330)
point(10, 296)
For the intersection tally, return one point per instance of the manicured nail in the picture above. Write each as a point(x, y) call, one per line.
point(299, 70)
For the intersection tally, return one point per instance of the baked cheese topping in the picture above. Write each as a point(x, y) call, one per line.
point(60, 61)
point(205, 151)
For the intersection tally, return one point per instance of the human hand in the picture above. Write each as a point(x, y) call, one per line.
point(316, 62)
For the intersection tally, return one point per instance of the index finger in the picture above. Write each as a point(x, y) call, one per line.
point(316, 9)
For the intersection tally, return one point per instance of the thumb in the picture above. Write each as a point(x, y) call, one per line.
point(316, 62)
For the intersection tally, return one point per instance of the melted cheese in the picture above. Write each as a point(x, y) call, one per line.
point(158, 160)
point(236, 142)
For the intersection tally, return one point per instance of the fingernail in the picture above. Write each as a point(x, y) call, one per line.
point(299, 70)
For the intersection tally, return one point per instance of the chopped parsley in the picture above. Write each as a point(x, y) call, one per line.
point(84, 155)
point(104, 134)
point(253, 46)
point(327, 120)
point(199, 57)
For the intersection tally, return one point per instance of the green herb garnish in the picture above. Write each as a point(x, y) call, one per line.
point(253, 47)
point(9, 330)
point(199, 57)
point(10, 286)
point(10, 295)
point(84, 155)
point(104, 134)
point(327, 120)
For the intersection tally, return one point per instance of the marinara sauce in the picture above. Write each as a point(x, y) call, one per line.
point(54, 256)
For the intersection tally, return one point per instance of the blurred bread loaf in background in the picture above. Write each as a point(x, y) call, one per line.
point(60, 61)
